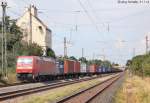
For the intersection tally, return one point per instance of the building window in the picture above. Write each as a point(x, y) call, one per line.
point(40, 29)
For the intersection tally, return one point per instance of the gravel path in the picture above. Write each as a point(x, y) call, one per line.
point(86, 95)
point(108, 95)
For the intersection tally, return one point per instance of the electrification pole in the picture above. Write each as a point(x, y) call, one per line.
point(4, 40)
point(147, 44)
point(2, 68)
point(65, 47)
point(82, 52)
point(30, 37)
point(93, 56)
point(133, 52)
point(103, 54)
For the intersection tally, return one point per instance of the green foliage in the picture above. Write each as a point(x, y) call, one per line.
point(115, 64)
point(73, 58)
point(15, 45)
point(83, 59)
point(30, 50)
point(50, 53)
point(140, 64)
point(107, 64)
point(100, 63)
point(14, 36)
point(128, 62)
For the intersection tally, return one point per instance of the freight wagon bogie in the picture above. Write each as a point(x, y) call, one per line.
point(24, 76)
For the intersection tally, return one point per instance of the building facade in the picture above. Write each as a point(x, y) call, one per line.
point(34, 30)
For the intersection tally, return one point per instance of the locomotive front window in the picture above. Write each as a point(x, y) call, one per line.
point(25, 60)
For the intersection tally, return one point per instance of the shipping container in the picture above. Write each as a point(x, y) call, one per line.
point(104, 69)
point(60, 66)
point(83, 68)
point(68, 66)
point(99, 69)
point(76, 67)
point(109, 70)
point(92, 68)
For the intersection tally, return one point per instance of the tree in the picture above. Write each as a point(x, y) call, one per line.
point(30, 50)
point(73, 58)
point(96, 61)
point(106, 64)
point(83, 59)
point(14, 36)
point(128, 62)
point(140, 64)
point(14, 33)
point(50, 53)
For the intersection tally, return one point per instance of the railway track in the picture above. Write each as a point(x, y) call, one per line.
point(87, 95)
point(17, 93)
point(26, 82)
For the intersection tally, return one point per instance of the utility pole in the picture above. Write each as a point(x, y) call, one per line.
point(108, 27)
point(30, 37)
point(147, 44)
point(65, 47)
point(82, 52)
point(93, 56)
point(4, 40)
point(2, 65)
point(133, 52)
point(103, 54)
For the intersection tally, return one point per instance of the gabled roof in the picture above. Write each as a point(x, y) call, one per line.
point(37, 20)
point(42, 23)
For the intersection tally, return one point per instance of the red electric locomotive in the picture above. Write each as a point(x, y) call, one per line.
point(34, 67)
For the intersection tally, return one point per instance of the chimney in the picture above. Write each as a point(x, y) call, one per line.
point(33, 10)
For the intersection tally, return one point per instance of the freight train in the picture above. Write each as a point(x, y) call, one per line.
point(43, 68)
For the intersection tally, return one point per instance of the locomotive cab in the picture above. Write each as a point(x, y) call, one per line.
point(24, 68)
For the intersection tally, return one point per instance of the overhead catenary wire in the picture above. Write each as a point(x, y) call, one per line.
point(89, 16)
point(24, 1)
point(14, 12)
point(95, 15)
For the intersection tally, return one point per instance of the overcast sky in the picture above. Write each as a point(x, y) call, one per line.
point(85, 24)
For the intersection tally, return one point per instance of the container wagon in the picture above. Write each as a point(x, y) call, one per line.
point(99, 69)
point(83, 68)
point(76, 67)
point(69, 66)
point(60, 66)
point(93, 68)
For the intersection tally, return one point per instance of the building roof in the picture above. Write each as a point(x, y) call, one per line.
point(42, 23)
point(38, 20)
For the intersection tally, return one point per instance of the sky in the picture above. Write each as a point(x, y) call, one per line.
point(101, 27)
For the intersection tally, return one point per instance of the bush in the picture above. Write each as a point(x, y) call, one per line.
point(30, 50)
point(50, 53)
point(140, 64)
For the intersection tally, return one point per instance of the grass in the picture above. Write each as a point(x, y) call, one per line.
point(11, 77)
point(134, 90)
point(59, 93)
